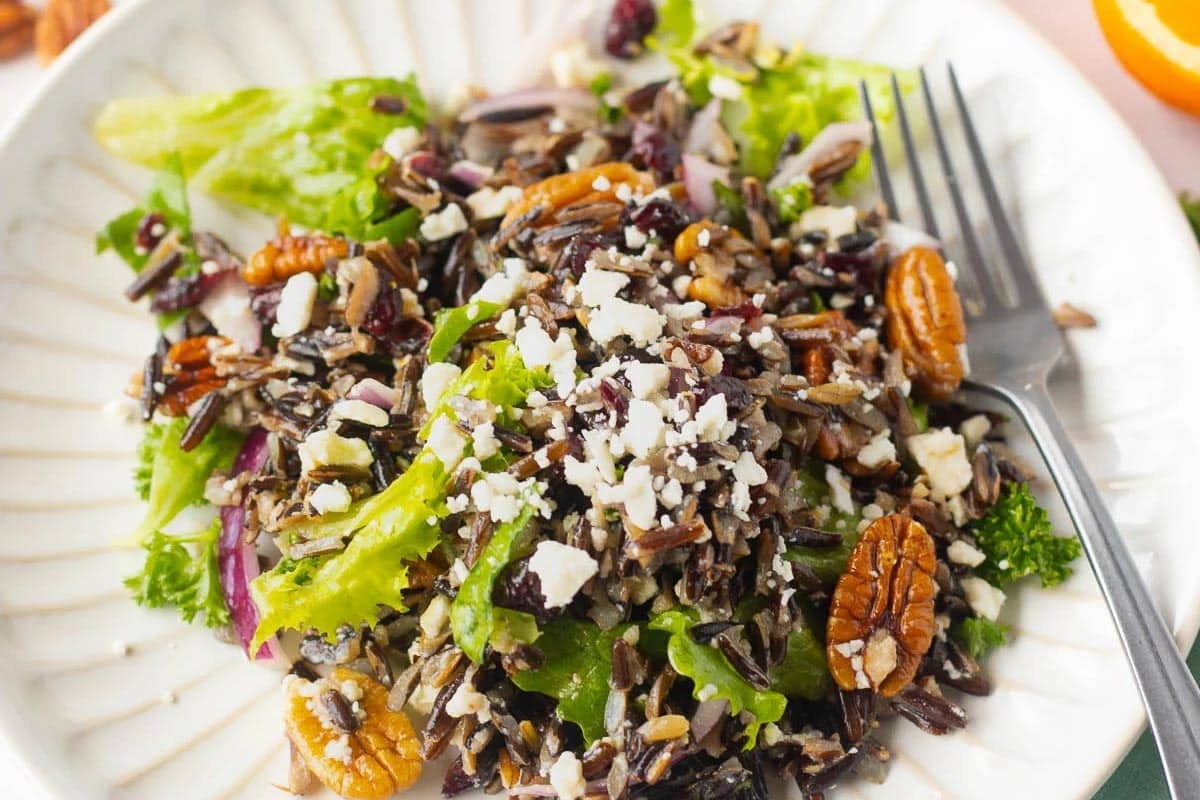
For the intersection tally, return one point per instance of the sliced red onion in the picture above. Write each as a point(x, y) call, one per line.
point(704, 129)
point(469, 173)
point(831, 136)
point(580, 99)
point(227, 307)
point(374, 392)
point(698, 176)
point(534, 790)
point(901, 238)
point(238, 561)
point(708, 716)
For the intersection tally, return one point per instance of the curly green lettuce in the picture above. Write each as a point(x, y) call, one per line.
point(1016, 537)
point(181, 572)
point(575, 672)
point(713, 676)
point(451, 324)
point(281, 151)
point(472, 615)
point(979, 635)
point(827, 562)
point(171, 479)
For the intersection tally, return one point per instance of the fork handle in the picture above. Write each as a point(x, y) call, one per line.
point(1168, 690)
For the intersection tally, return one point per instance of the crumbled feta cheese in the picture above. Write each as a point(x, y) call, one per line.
point(295, 305)
point(504, 287)
point(500, 495)
point(435, 616)
point(489, 203)
point(880, 658)
point(942, 454)
point(562, 571)
point(671, 494)
point(598, 285)
point(758, 338)
point(616, 317)
point(582, 474)
point(468, 701)
point(338, 749)
point(833, 220)
point(402, 141)
point(839, 488)
point(566, 777)
point(962, 553)
point(446, 441)
point(635, 238)
point(636, 492)
point(352, 690)
point(436, 380)
point(484, 442)
point(724, 87)
point(877, 452)
point(974, 429)
point(507, 323)
point(739, 499)
point(444, 224)
point(984, 598)
point(647, 380)
point(325, 448)
point(748, 470)
point(572, 67)
point(537, 349)
point(601, 184)
point(360, 411)
point(330, 498)
point(711, 419)
point(645, 431)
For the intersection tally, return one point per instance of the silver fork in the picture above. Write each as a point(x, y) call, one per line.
point(1013, 345)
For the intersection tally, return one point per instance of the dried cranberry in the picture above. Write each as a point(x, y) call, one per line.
point(652, 149)
point(184, 292)
point(664, 217)
point(746, 311)
point(396, 333)
point(150, 231)
point(264, 302)
point(628, 26)
point(573, 259)
point(519, 588)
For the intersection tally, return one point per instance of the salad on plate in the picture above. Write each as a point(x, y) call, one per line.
point(584, 435)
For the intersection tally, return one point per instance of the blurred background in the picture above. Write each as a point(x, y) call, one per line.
point(1121, 46)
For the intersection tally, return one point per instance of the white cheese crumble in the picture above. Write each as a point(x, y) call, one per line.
point(444, 224)
point(436, 380)
point(645, 431)
point(747, 470)
point(435, 616)
point(562, 571)
point(833, 220)
point(360, 411)
point(446, 441)
point(711, 419)
point(401, 141)
point(636, 492)
point(467, 701)
point(338, 749)
point(330, 498)
point(499, 495)
point(839, 489)
point(877, 452)
point(295, 305)
point(962, 553)
point(616, 317)
point(598, 285)
point(647, 380)
point(974, 429)
point(635, 238)
point(325, 448)
point(566, 777)
point(537, 349)
point(484, 443)
point(942, 454)
point(489, 203)
point(984, 598)
point(504, 287)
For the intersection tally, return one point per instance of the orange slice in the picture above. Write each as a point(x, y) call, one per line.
point(1158, 41)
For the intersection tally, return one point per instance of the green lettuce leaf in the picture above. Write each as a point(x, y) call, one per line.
point(576, 671)
point(979, 635)
point(500, 377)
point(676, 25)
point(792, 200)
point(708, 667)
point(827, 562)
point(804, 671)
point(176, 477)
point(281, 151)
point(183, 577)
point(472, 618)
point(451, 324)
point(1016, 537)
point(397, 525)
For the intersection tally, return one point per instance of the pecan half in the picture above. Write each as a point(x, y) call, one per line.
point(61, 23)
point(881, 616)
point(925, 321)
point(582, 187)
point(343, 730)
point(16, 28)
point(287, 255)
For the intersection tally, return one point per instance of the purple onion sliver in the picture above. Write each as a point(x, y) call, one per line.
point(698, 176)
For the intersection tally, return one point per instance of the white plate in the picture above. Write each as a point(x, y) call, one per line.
point(1099, 223)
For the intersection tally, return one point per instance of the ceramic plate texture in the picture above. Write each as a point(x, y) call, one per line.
point(106, 699)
